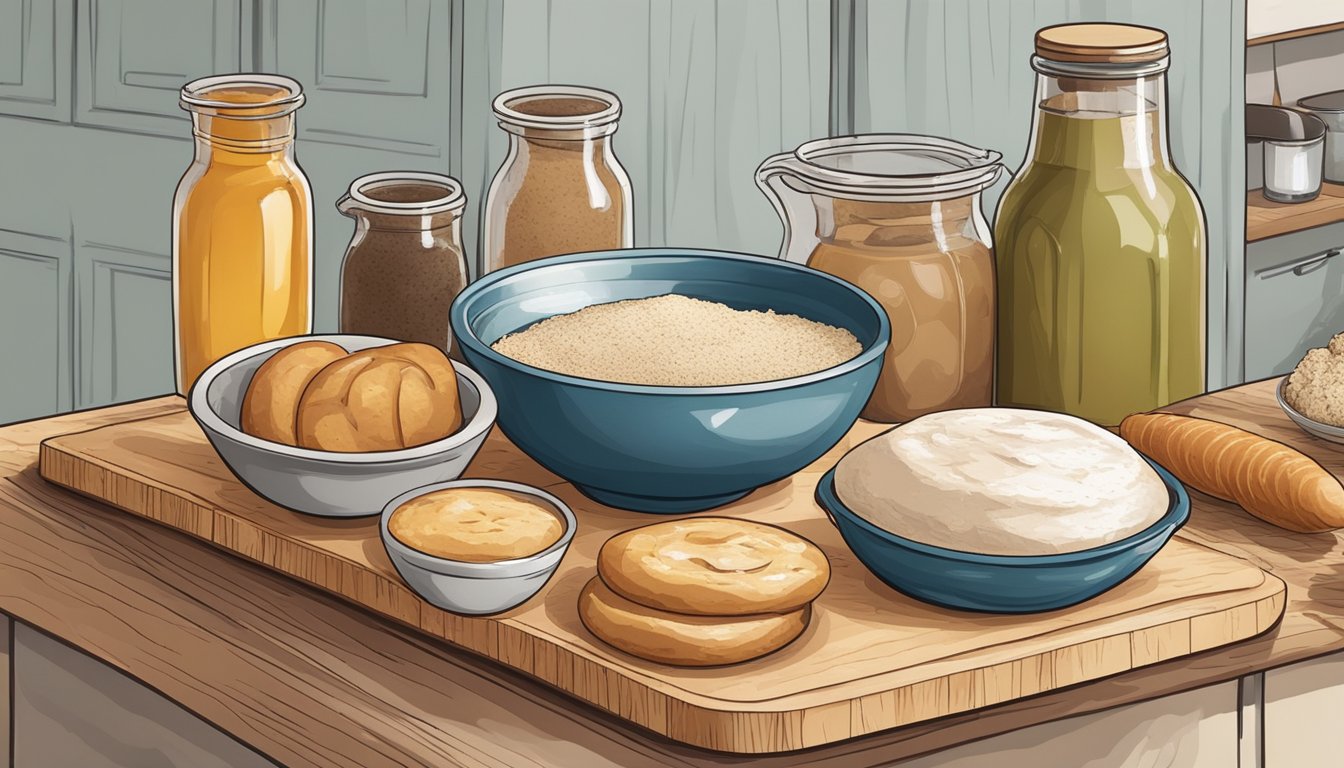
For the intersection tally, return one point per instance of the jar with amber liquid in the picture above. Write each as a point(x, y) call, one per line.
point(561, 188)
point(242, 223)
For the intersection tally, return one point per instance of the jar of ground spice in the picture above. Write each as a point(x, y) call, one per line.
point(561, 188)
point(404, 265)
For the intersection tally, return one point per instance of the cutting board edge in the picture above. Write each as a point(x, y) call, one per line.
point(764, 727)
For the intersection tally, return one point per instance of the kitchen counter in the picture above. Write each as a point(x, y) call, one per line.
point(308, 680)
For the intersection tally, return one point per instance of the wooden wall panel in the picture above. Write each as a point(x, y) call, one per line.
point(125, 324)
point(34, 325)
point(35, 40)
point(961, 69)
point(377, 74)
point(135, 55)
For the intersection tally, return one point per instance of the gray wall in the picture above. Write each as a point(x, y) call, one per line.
point(92, 142)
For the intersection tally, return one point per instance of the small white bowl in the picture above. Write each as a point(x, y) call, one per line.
point(477, 589)
point(329, 483)
point(1310, 426)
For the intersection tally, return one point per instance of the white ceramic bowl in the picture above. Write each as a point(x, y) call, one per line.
point(327, 483)
point(1310, 426)
point(477, 588)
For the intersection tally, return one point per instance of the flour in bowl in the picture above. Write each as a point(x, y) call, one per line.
point(678, 341)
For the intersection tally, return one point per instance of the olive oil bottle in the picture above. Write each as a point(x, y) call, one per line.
point(1099, 240)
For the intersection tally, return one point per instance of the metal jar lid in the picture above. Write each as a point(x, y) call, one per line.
point(1331, 102)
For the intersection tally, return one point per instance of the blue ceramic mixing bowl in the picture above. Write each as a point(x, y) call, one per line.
point(669, 449)
point(1002, 583)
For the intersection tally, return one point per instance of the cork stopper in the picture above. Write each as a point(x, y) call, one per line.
point(1101, 43)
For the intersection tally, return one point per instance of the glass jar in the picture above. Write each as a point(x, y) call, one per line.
point(242, 223)
point(899, 216)
point(404, 265)
point(1100, 238)
point(561, 188)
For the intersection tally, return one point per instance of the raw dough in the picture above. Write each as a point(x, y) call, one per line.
point(1002, 481)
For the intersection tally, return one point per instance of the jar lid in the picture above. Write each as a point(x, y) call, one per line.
point(1323, 102)
point(1101, 43)
point(1286, 127)
point(413, 193)
point(559, 108)
point(243, 96)
point(890, 166)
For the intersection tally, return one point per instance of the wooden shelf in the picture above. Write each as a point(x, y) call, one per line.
point(1270, 21)
point(1265, 218)
point(1293, 34)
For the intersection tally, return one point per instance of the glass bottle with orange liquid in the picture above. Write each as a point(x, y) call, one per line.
point(242, 223)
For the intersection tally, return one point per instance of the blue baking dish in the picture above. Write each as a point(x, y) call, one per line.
point(1002, 583)
point(659, 449)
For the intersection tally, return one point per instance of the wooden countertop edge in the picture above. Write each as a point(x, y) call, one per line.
point(688, 705)
point(1300, 636)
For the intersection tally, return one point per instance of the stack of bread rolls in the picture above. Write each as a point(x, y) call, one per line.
point(703, 591)
point(314, 394)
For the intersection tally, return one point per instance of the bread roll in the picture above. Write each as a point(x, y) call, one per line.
point(714, 566)
point(381, 399)
point(271, 403)
point(690, 641)
point(1270, 480)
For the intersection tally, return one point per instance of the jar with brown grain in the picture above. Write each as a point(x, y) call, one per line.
point(899, 216)
point(404, 265)
point(561, 188)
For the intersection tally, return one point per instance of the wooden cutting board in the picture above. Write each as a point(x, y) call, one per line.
point(871, 659)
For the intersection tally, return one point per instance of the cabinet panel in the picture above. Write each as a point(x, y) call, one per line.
point(1294, 298)
point(709, 89)
point(6, 638)
point(378, 73)
point(125, 328)
point(34, 325)
point(35, 59)
point(135, 55)
point(71, 710)
point(1302, 705)
point(1196, 729)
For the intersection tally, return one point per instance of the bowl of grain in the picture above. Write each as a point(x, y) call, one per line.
point(1313, 394)
point(671, 380)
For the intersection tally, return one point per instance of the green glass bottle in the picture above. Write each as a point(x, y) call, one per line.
point(1100, 240)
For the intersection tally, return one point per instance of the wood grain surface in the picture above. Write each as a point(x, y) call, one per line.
point(313, 681)
point(872, 658)
point(1266, 218)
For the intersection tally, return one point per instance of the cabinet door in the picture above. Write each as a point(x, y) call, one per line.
point(34, 325)
point(72, 710)
point(1302, 706)
point(378, 75)
point(125, 325)
point(35, 58)
point(135, 55)
point(1196, 729)
point(1294, 298)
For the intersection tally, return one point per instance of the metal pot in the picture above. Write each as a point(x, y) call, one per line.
point(1294, 144)
point(1329, 107)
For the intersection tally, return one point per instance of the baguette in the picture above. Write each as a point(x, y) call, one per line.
point(1270, 480)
